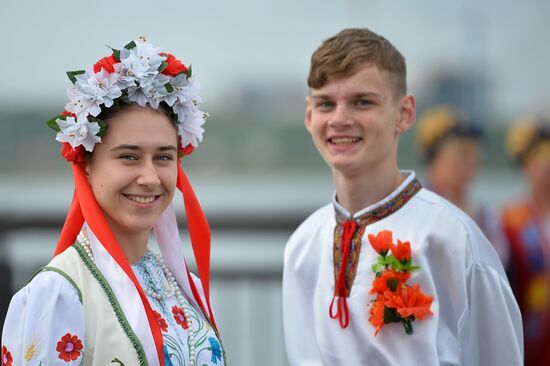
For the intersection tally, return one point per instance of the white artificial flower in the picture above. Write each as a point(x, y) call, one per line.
point(78, 132)
point(91, 90)
point(191, 129)
point(148, 55)
point(131, 70)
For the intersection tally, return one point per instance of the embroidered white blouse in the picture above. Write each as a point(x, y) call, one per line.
point(48, 308)
point(476, 319)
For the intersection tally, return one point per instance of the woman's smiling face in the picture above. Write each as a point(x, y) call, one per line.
point(133, 171)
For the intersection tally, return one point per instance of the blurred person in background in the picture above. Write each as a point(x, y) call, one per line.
point(106, 297)
point(388, 272)
point(526, 224)
point(450, 148)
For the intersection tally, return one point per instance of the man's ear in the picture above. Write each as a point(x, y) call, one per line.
point(307, 118)
point(407, 114)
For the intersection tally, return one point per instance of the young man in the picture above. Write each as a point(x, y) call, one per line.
point(388, 273)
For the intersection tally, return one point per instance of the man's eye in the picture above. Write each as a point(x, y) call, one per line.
point(325, 105)
point(363, 102)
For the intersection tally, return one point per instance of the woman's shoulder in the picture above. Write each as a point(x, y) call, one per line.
point(49, 282)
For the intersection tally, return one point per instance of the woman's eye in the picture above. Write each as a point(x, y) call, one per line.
point(127, 157)
point(164, 158)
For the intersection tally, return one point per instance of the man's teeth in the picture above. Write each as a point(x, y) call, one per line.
point(140, 199)
point(344, 140)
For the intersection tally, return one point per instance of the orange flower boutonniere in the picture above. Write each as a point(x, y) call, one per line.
point(395, 301)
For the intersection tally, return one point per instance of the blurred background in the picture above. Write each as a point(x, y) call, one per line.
point(256, 173)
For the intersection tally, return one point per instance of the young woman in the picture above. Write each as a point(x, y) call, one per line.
point(106, 298)
point(526, 224)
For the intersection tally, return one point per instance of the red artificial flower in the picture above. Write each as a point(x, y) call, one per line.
point(106, 63)
point(6, 357)
point(70, 114)
point(410, 301)
point(183, 151)
point(69, 347)
point(174, 65)
point(381, 284)
point(376, 312)
point(179, 316)
point(162, 323)
point(382, 242)
point(402, 251)
point(71, 154)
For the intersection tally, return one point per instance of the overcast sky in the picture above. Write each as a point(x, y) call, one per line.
point(267, 43)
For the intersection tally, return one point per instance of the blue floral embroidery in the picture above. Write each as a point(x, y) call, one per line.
point(167, 361)
point(216, 350)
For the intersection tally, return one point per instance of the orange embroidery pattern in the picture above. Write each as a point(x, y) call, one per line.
point(396, 301)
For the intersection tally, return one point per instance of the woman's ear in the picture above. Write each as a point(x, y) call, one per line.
point(87, 168)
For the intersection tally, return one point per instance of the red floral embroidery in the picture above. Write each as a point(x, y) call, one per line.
point(161, 321)
point(179, 316)
point(69, 347)
point(6, 357)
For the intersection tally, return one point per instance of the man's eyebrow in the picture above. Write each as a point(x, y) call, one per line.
point(354, 95)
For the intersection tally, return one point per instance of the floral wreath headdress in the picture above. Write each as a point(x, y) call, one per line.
point(137, 74)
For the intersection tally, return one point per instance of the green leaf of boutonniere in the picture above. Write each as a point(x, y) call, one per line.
point(391, 316)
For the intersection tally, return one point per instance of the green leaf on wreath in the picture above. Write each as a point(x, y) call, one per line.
point(163, 66)
point(116, 53)
point(53, 124)
point(169, 87)
point(72, 75)
point(130, 45)
point(102, 125)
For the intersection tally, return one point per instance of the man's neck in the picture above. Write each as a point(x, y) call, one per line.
point(359, 191)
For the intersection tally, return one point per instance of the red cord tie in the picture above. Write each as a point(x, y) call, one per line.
point(342, 312)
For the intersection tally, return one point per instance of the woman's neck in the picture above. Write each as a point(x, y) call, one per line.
point(134, 245)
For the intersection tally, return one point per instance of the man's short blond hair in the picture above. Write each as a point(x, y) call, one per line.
point(342, 54)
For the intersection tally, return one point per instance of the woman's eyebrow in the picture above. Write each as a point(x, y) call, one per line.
point(125, 147)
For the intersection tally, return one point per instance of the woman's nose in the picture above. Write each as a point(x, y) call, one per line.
point(148, 175)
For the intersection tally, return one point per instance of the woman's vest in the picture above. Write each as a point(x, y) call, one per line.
point(109, 339)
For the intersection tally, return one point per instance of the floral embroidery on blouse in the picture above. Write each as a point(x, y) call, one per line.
point(177, 337)
point(216, 350)
point(69, 347)
point(6, 357)
point(33, 348)
point(179, 316)
point(161, 321)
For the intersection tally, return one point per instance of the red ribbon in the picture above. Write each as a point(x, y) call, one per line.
point(342, 313)
point(84, 207)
